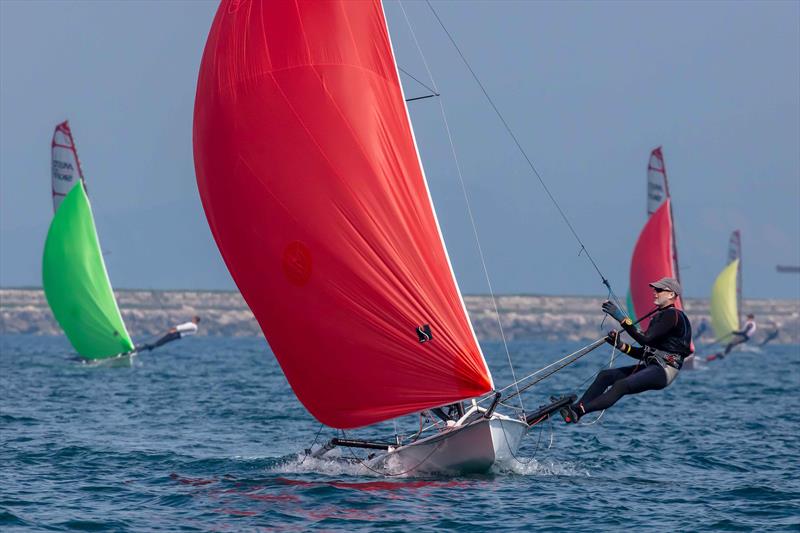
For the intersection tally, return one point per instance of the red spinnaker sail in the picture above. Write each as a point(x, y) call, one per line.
point(315, 194)
point(652, 260)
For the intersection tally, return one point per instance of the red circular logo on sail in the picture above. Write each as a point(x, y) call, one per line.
point(297, 263)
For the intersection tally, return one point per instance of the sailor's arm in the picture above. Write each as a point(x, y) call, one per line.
point(660, 326)
point(634, 351)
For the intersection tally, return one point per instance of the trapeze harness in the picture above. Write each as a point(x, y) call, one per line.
point(667, 341)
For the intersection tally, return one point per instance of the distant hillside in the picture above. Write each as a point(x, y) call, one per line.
point(523, 317)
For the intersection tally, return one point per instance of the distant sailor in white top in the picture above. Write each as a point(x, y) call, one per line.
point(175, 333)
point(739, 337)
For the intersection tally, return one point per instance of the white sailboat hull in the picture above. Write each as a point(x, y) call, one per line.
point(470, 448)
point(121, 360)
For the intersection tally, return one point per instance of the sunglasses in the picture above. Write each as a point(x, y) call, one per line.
point(661, 290)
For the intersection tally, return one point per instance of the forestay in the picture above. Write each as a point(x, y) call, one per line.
point(314, 192)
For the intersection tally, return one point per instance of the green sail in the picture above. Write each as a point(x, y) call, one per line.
point(76, 283)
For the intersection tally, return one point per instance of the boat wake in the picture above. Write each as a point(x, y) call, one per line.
point(333, 464)
point(534, 467)
point(346, 465)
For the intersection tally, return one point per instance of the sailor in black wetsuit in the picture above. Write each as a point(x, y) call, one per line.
point(665, 344)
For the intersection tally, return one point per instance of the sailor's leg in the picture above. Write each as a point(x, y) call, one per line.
point(737, 341)
point(770, 337)
point(729, 347)
point(169, 337)
point(651, 377)
point(605, 379)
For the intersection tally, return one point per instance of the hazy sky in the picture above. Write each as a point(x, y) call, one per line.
point(589, 88)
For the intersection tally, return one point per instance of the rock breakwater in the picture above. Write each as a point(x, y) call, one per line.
point(523, 317)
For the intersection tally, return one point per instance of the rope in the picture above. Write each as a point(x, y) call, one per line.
point(308, 450)
point(610, 365)
point(467, 201)
point(586, 349)
point(433, 93)
point(566, 220)
point(546, 367)
point(388, 474)
point(535, 450)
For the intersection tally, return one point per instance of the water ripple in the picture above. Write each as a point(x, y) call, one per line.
point(209, 438)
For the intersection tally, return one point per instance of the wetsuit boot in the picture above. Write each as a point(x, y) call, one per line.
point(568, 414)
point(572, 413)
point(545, 411)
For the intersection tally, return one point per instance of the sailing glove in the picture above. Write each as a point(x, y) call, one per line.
point(611, 309)
point(613, 338)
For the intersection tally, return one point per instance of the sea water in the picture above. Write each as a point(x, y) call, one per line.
point(206, 435)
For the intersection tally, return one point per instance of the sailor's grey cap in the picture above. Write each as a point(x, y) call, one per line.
point(669, 284)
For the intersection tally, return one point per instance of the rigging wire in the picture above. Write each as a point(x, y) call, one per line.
point(583, 248)
point(310, 448)
point(579, 353)
point(401, 69)
point(467, 201)
point(586, 350)
point(610, 365)
point(392, 474)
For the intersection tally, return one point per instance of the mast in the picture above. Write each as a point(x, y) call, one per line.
point(671, 215)
point(655, 254)
point(734, 253)
point(65, 166)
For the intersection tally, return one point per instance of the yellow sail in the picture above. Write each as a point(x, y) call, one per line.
point(724, 307)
